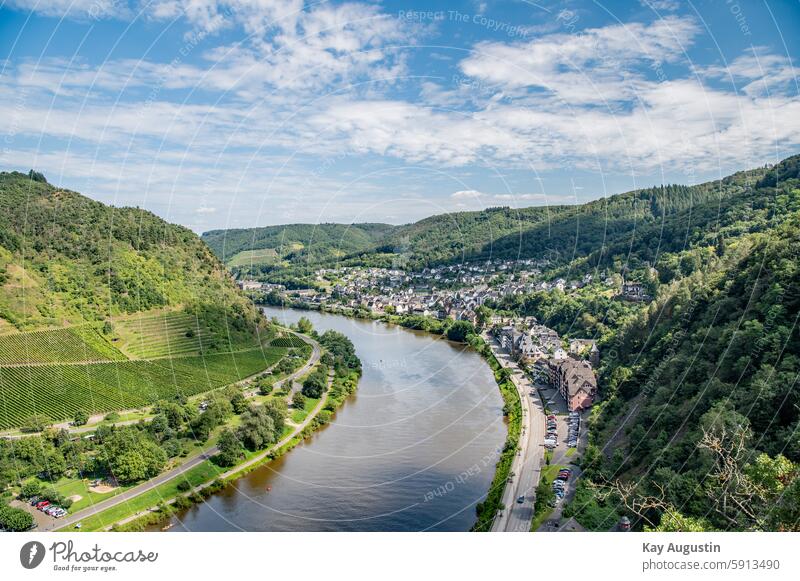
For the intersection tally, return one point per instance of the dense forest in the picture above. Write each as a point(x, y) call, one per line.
point(65, 258)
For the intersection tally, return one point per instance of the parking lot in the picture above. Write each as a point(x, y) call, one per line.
point(559, 423)
point(44, 513)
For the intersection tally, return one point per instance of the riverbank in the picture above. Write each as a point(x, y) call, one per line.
point(342, 381)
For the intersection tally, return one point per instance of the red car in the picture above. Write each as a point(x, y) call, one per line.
point(43, 504)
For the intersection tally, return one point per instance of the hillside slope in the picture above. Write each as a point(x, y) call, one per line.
point(280, 245)
point(67, 259)
point(106, 308)
point(638, 225)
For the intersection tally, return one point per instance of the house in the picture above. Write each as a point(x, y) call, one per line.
point(634, 291)
point(249, 285)
point(586, 348)
point(575, 381)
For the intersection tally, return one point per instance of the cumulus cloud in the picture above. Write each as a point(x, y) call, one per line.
point(318, 82)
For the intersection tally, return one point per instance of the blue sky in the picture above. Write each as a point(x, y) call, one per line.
point(245, 113)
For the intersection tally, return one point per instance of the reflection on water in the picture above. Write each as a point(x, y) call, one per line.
point(413, 450)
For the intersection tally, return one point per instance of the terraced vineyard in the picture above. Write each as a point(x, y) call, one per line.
point(164, 334)
point(57, 391)
point(287, 341)
point(66, 345)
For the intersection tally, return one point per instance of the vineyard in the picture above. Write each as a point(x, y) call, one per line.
point(287, 341)
point(167, 334)
point(57, 391)
point(67, 345)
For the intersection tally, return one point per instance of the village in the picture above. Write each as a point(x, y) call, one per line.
point(457, 292)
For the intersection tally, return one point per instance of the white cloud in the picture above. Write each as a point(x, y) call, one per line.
point(93, 9)
point(589, 67)
point(205, 210)
point(461, 194)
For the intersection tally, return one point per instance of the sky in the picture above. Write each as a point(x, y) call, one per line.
point(240, 113)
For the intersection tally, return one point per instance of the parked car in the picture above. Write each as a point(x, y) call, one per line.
point(520, 500)
point(42, 504)
point(34, 500)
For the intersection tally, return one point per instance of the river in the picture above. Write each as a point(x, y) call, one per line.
point(414, 449)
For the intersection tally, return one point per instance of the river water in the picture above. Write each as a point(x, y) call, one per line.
point(413, 450)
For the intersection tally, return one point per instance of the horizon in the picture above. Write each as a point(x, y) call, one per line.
point(399, 224)
point(237, 115)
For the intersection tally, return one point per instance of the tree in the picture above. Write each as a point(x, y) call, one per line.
point(30, 488)
point(459, 330)
point(276, 409)
point(15, 519)
point(298, 400)
point(230, 448)
point(131, 455)
point(257, 430)
point(314, 385)
point(35, 423)
point(37, 176)
point(483, 315)
point(81, 418)
point(673, 521)
point(239, 402)
point(304, 326)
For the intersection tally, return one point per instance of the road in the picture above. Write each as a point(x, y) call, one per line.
point(189, 464)
point(97, 419)
point(526, 466)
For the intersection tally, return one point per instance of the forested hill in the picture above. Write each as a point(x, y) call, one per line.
point(599, 229)
point(632, 228)
point(67, 259)
point(301, 243)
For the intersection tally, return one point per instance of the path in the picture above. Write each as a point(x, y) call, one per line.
point(186, 466)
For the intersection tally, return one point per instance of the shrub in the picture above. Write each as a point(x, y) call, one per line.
point(15, 519)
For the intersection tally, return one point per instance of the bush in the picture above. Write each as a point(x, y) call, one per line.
point(15, 519)
point(184, 486)
point(30, 489)
point(81, 418)
point(35, 423)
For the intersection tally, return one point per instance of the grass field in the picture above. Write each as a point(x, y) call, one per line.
point(195, 476)
point(71, 344)
point(251, 257)
point(299, 415)
point(58, 391)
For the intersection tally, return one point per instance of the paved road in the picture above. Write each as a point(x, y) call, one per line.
point(256, 459)
point(526, 466)
point(177, 471)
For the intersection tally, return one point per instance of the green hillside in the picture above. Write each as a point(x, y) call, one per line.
point(636, 226)
point(65, 258)
point(255, 248)
point(105, 308)
point(700, 417)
